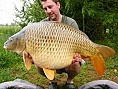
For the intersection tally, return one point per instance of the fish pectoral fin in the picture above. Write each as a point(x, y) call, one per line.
point(26, 60)
point(49, 73)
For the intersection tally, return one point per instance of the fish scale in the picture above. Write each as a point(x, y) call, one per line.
point(52, 46)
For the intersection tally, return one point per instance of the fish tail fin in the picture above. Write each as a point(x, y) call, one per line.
point(98, 59)
point(99, 64)
point(106, 51)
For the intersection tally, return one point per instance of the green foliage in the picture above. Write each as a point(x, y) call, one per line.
point(7, 59)
point(99, 16)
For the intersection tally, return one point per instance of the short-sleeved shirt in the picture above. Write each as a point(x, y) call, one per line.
point(66, 20)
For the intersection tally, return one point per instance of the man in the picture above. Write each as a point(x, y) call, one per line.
point(52, 10)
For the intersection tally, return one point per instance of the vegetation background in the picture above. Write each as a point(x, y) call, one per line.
point(97, 18)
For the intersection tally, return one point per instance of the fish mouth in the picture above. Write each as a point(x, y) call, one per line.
point(5, 47)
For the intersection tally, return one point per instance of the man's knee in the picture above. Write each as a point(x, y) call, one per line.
point(73, 69)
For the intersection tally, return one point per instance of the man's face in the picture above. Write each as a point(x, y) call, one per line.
point(51, 9)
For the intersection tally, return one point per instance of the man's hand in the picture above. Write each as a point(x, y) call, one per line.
point(30, 57)
point(77, 58)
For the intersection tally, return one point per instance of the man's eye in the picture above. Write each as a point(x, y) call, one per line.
point(45, 9)
point(50, 7)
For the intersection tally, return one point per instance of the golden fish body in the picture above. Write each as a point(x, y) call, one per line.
point(52, 46)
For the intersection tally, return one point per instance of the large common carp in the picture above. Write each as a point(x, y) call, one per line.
point(52, 46)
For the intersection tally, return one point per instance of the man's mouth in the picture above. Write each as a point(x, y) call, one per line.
point(51, 15)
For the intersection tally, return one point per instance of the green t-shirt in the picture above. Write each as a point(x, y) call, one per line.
point(66, 20)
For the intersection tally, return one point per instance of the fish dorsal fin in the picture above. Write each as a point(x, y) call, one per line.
point(26, 60)
point(49, 73)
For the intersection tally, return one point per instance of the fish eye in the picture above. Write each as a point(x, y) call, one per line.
point(11, 39)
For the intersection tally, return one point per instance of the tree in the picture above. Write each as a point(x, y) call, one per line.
point(30, 12)
point(103, 14)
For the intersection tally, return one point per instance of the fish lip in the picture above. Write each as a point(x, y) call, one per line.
point(5, 47)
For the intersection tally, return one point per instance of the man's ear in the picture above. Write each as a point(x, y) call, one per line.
point(58, 4)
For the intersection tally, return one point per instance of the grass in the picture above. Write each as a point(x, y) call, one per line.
point(12, 66)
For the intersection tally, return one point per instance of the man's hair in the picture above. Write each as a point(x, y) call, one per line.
point(55, 1)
